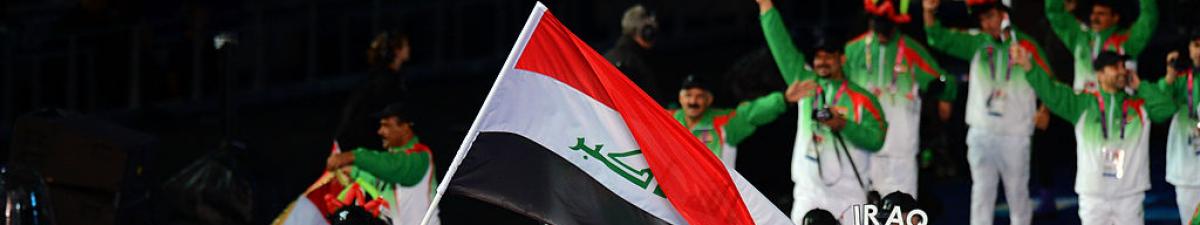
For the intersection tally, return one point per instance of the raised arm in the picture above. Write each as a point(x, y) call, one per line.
point(958, 44)
point(1058, 97)
point(1064, 24)
point(405, 169)
point(789, 59)
point(1142, 28)
point(751, 114)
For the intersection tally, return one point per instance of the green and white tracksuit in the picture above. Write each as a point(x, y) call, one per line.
point(894, 72)
point(721, 130)
point(406, 171)
point(1112, 133)
point(821, 169)
point(1086, 43)
point(1000, 109)
point(1183, 142)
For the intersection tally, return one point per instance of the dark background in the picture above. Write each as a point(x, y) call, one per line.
point(149, 66)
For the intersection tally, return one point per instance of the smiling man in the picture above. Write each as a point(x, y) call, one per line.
point(1112, 129)
point(723, 129)
point(840, 123)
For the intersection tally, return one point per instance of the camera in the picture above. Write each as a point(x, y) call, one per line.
point(822, 114)
point(1181, 64)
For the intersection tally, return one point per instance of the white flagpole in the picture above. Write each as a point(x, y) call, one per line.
point(473, 132)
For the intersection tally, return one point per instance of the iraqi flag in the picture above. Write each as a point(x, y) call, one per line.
point(563, 137)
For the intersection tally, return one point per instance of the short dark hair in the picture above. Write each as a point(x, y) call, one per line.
point(397, 110)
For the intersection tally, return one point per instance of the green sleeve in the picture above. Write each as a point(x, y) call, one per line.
point(1068, 29)
point(924, 77)
point(1040, 58)
point(869, 132)
point(961, 45)
point(405, 169)
point(751, 114)
point(1177, 90)
point(789, 59)
point(1158, 102)
point(1058, 97)
point(1142, 28)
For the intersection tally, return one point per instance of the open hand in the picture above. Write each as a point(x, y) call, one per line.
point(800, 90)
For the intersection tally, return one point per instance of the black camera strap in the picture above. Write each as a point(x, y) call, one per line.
point(846, 151)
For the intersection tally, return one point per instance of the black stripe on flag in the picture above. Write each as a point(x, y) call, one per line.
point(514, 172)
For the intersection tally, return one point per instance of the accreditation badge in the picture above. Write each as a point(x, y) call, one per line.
point(1114, 162)
point(996, 102)
point(1194, 139)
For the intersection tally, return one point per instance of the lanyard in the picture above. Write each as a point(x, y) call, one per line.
point(991, 50)
point(1104, 117)
point(1190, 97)
point(900, 52)
point(836, 97)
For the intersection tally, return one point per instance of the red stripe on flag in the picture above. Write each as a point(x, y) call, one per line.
point(691, 177)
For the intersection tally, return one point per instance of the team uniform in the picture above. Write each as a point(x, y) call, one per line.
point(407, 171)
point(721, 130)
point(1112, 133)
point(1183, 142)
point(1000, 109)
point(1086, 43)
point(821, 169)
point(894, 72)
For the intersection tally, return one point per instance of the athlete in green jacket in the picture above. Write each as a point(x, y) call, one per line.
point(403, 175)
point(723, 129)
point(1000, 106)
point(894, 67)
point(839, 124)
point(1101, 33)
point(1112, 130)
point(1183, 138)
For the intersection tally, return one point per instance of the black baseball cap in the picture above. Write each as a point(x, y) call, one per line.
point(1107, 58)
point(693, 81)
point(975, 7)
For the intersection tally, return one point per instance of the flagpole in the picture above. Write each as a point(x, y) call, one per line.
point(473, 132)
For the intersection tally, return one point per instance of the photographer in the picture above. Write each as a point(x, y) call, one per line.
point(840, 124)
point(1183, 140)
